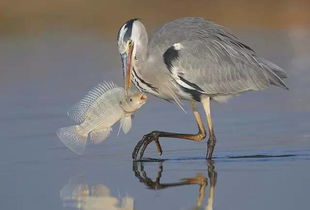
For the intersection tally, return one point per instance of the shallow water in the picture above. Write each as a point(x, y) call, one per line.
point(262, 159)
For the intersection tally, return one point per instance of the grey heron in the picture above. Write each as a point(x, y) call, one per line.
point(191, 59)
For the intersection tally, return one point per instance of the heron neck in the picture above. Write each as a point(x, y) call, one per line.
point(141, 55)
point(141, 46)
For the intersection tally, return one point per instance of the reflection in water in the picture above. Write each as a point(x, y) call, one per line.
point(78, 195)
point(199, 179)
point(92, 197)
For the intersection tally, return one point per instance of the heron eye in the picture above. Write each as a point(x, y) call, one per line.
point(130, 43)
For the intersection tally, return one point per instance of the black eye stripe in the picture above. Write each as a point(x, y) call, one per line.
point(128, 25)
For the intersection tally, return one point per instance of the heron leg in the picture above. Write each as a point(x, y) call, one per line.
point(154, 136)
point(205, 100)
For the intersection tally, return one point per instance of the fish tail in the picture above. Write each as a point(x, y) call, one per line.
point(73, 138)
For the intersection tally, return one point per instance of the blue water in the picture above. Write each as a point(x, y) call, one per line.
point(262, 159)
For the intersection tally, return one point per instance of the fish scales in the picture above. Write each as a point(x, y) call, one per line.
point(105, 112)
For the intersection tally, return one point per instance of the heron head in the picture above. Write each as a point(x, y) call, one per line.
point(130, 38)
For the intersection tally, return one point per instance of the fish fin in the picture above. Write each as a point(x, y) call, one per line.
point(127, 203)
point(126, 123)
point(78, 110)
point(72, 138)
point(97, 136)
point(72, 188)
point(119, 129)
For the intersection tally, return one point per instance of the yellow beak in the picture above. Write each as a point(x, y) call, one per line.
point(127, 66)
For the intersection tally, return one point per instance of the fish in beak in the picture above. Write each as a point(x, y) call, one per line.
point(127, 65)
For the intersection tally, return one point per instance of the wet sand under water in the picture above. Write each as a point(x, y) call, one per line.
point(262, 159)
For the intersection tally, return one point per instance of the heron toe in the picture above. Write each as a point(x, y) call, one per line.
point(144, 142)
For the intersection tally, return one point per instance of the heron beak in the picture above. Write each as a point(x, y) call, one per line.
point(127, 66)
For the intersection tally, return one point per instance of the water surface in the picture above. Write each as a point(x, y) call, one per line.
point(262, 159)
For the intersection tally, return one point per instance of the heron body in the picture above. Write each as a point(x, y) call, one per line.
point(193, 59)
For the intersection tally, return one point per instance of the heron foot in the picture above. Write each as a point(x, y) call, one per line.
point(211, 145)
point(144, 142)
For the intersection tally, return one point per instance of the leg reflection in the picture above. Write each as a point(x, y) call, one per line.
point(213, 178)
point(199, 179)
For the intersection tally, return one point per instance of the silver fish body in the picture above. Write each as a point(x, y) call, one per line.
point(97, 112)
point(105, 112)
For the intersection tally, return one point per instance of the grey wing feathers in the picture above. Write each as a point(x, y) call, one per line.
point(224, 71)
point(276, 69)
point(217, 62)
point(78, 110)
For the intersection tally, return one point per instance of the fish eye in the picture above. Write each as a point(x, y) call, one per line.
point(130, 99)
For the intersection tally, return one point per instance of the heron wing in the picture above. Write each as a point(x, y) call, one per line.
point(206, 57)
point(218, 67)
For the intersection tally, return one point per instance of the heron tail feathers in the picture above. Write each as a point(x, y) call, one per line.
point(275, 74)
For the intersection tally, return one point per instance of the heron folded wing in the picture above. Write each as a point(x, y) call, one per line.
point(214, 66)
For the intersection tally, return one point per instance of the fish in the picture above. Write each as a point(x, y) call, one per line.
point(78, 195)
point(97, 112)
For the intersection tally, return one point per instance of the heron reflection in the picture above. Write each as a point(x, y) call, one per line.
point(93, 197)
point(199, 179)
